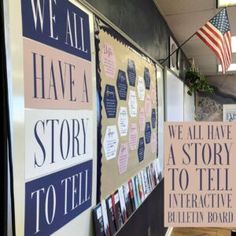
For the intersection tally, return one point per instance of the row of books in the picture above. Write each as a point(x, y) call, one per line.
point(111, 213)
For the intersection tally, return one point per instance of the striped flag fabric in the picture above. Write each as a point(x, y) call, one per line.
point(216, 35)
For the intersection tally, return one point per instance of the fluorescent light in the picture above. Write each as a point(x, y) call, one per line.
point(225, 3)
point(232, 67)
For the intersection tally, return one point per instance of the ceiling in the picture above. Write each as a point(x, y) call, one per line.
point(184, 18)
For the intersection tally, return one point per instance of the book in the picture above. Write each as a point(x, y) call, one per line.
point(146, 181)
point(122, 204)
point(145, 187)
point(159, 169)
point(127, 197)
point(153, 174)
point(137, 190)
point(156, 170)
point(140, 187)
point(111, 215)
point(136, 201)
point(105, 218)
point(98, 220)
point(131, 192)
point(149, 179)
point(117, 210)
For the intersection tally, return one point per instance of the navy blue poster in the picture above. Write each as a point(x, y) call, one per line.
point(148, 132)
point(55, 199)
point(110, 101)
point(131, 71)
point(59, 24)
point(147, 78)
point(154, 118)
point(141, 149)
point(122, 85)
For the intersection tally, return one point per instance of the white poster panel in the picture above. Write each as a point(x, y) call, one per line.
point(56, 141)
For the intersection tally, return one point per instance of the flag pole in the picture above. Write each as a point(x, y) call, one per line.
point(182, 44)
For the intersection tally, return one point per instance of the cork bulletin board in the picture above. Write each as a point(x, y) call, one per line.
point(129, 111)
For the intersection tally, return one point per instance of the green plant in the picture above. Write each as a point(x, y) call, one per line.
point(197, 82)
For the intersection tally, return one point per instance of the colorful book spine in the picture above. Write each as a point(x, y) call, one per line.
point(122, 204)
point(111, 215)
point(98, 221)
point(127, 197)
point(105, 219)
point(131, 191)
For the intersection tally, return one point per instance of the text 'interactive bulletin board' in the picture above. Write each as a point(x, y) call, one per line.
point(129, 111)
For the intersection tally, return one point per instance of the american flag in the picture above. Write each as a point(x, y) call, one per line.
point(216, 35)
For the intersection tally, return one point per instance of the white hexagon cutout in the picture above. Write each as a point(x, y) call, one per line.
point(141, 88)
point(123, 120)
point(133, 105)
point(110, 143)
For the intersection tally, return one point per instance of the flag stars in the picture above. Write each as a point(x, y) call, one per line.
point(221, 22)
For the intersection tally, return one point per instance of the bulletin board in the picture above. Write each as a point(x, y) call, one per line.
point(129, 110)
point(174, 97)
point(52, 99)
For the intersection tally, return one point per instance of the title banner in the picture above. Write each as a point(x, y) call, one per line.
point(59, 90)
point(57, 23)
point(200, 174)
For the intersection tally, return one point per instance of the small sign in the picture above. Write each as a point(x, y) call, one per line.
point(131, 71)
point(147, 78)
point(142, 119)
point(108, 61)
point(122, 85)
point(141, 88)
point(154, 118)
point(148, 132)
point(123, 158)
point(141, 148)
point(110, 101)
point(148, 106)
point(154, 143)
point(133, 136)
point(123, 120)
point(110, 143)
point(133, 105)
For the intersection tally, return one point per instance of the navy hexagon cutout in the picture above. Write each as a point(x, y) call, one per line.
point(110, 101)
point(154, 118)
point(148, 132)
point(122, 85)
point(147, 78)
point(141, 149)
point(131, 71)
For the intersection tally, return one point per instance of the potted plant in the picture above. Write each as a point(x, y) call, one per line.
point(197, 82)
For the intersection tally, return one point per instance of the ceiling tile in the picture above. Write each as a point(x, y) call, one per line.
point(184, 18)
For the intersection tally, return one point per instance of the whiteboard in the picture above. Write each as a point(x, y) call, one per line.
point(189, 105)
point(174, 97)
point(229, 112)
